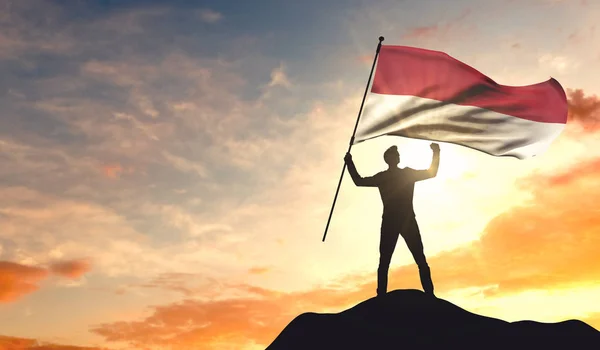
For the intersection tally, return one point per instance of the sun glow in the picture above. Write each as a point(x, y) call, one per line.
point(455, 160)
point(418, 155)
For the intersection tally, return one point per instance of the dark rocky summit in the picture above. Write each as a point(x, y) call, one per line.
point(409, 319)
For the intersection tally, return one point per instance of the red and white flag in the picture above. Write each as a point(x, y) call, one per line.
point(430, 95)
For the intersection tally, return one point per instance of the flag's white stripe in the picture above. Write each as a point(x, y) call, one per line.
point(488, 131)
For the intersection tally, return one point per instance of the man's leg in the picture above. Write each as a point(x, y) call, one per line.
point(412, 236)
point(387, 244)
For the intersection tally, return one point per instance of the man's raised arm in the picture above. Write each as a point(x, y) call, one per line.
point(358, 180)
point(433, 168)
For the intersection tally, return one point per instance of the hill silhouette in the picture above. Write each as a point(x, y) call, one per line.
point(409, 319)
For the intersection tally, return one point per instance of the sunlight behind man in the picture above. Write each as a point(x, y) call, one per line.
point(416, 154)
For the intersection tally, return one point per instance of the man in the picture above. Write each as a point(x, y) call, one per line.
point(396, 187)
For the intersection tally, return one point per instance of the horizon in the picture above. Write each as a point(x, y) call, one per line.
point(169, 167)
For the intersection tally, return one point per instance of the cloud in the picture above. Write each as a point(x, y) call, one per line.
point(18, 280)
point(438, 30)
point(72, 269)
point(366, 59)
point(37, 227)
point(584, 110)
point(112, 171)
point(20, 39)
point(116, 137)
point(227, 323)
point(200, 108)
point(170, 117)
point(279, 78)
point(133, 21)
point(561, 64)
point(16, 343)
point(251, 319)
point(176, 282)
point(210, 16)
point(588, 169)
point(137, 124)
point(22, 159)
point(185, 165)
point(259, 270)
point(425, 31)
point(192, 225)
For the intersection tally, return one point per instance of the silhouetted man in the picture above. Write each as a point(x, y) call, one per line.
point(396, 187)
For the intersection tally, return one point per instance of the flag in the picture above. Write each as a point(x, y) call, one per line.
point(430, 95)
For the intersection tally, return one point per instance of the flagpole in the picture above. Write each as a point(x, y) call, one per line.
point(353, 134)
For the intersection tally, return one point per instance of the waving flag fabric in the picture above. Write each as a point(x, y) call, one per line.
point(430, 95)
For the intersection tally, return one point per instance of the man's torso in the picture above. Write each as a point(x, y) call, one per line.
point(396, 188)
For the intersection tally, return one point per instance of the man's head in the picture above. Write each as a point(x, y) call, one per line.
point(391, 156)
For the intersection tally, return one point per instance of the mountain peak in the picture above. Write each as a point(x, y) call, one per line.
point(410, 319)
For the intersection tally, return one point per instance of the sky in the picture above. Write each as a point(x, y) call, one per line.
point(167, 169)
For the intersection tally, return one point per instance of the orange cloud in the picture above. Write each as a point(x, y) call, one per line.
point(258, 270)
point(584, 110)
point(14, 343)
point(588, 169)
point(18, 280)
point(71, 269)
point(231, 323)
point(113, 171)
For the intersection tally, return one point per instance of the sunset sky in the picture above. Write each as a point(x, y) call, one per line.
point(167, 169)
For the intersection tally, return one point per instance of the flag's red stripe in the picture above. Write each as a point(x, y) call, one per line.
point(403, 70)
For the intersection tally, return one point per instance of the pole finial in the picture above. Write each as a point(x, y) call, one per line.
point(381, 39)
